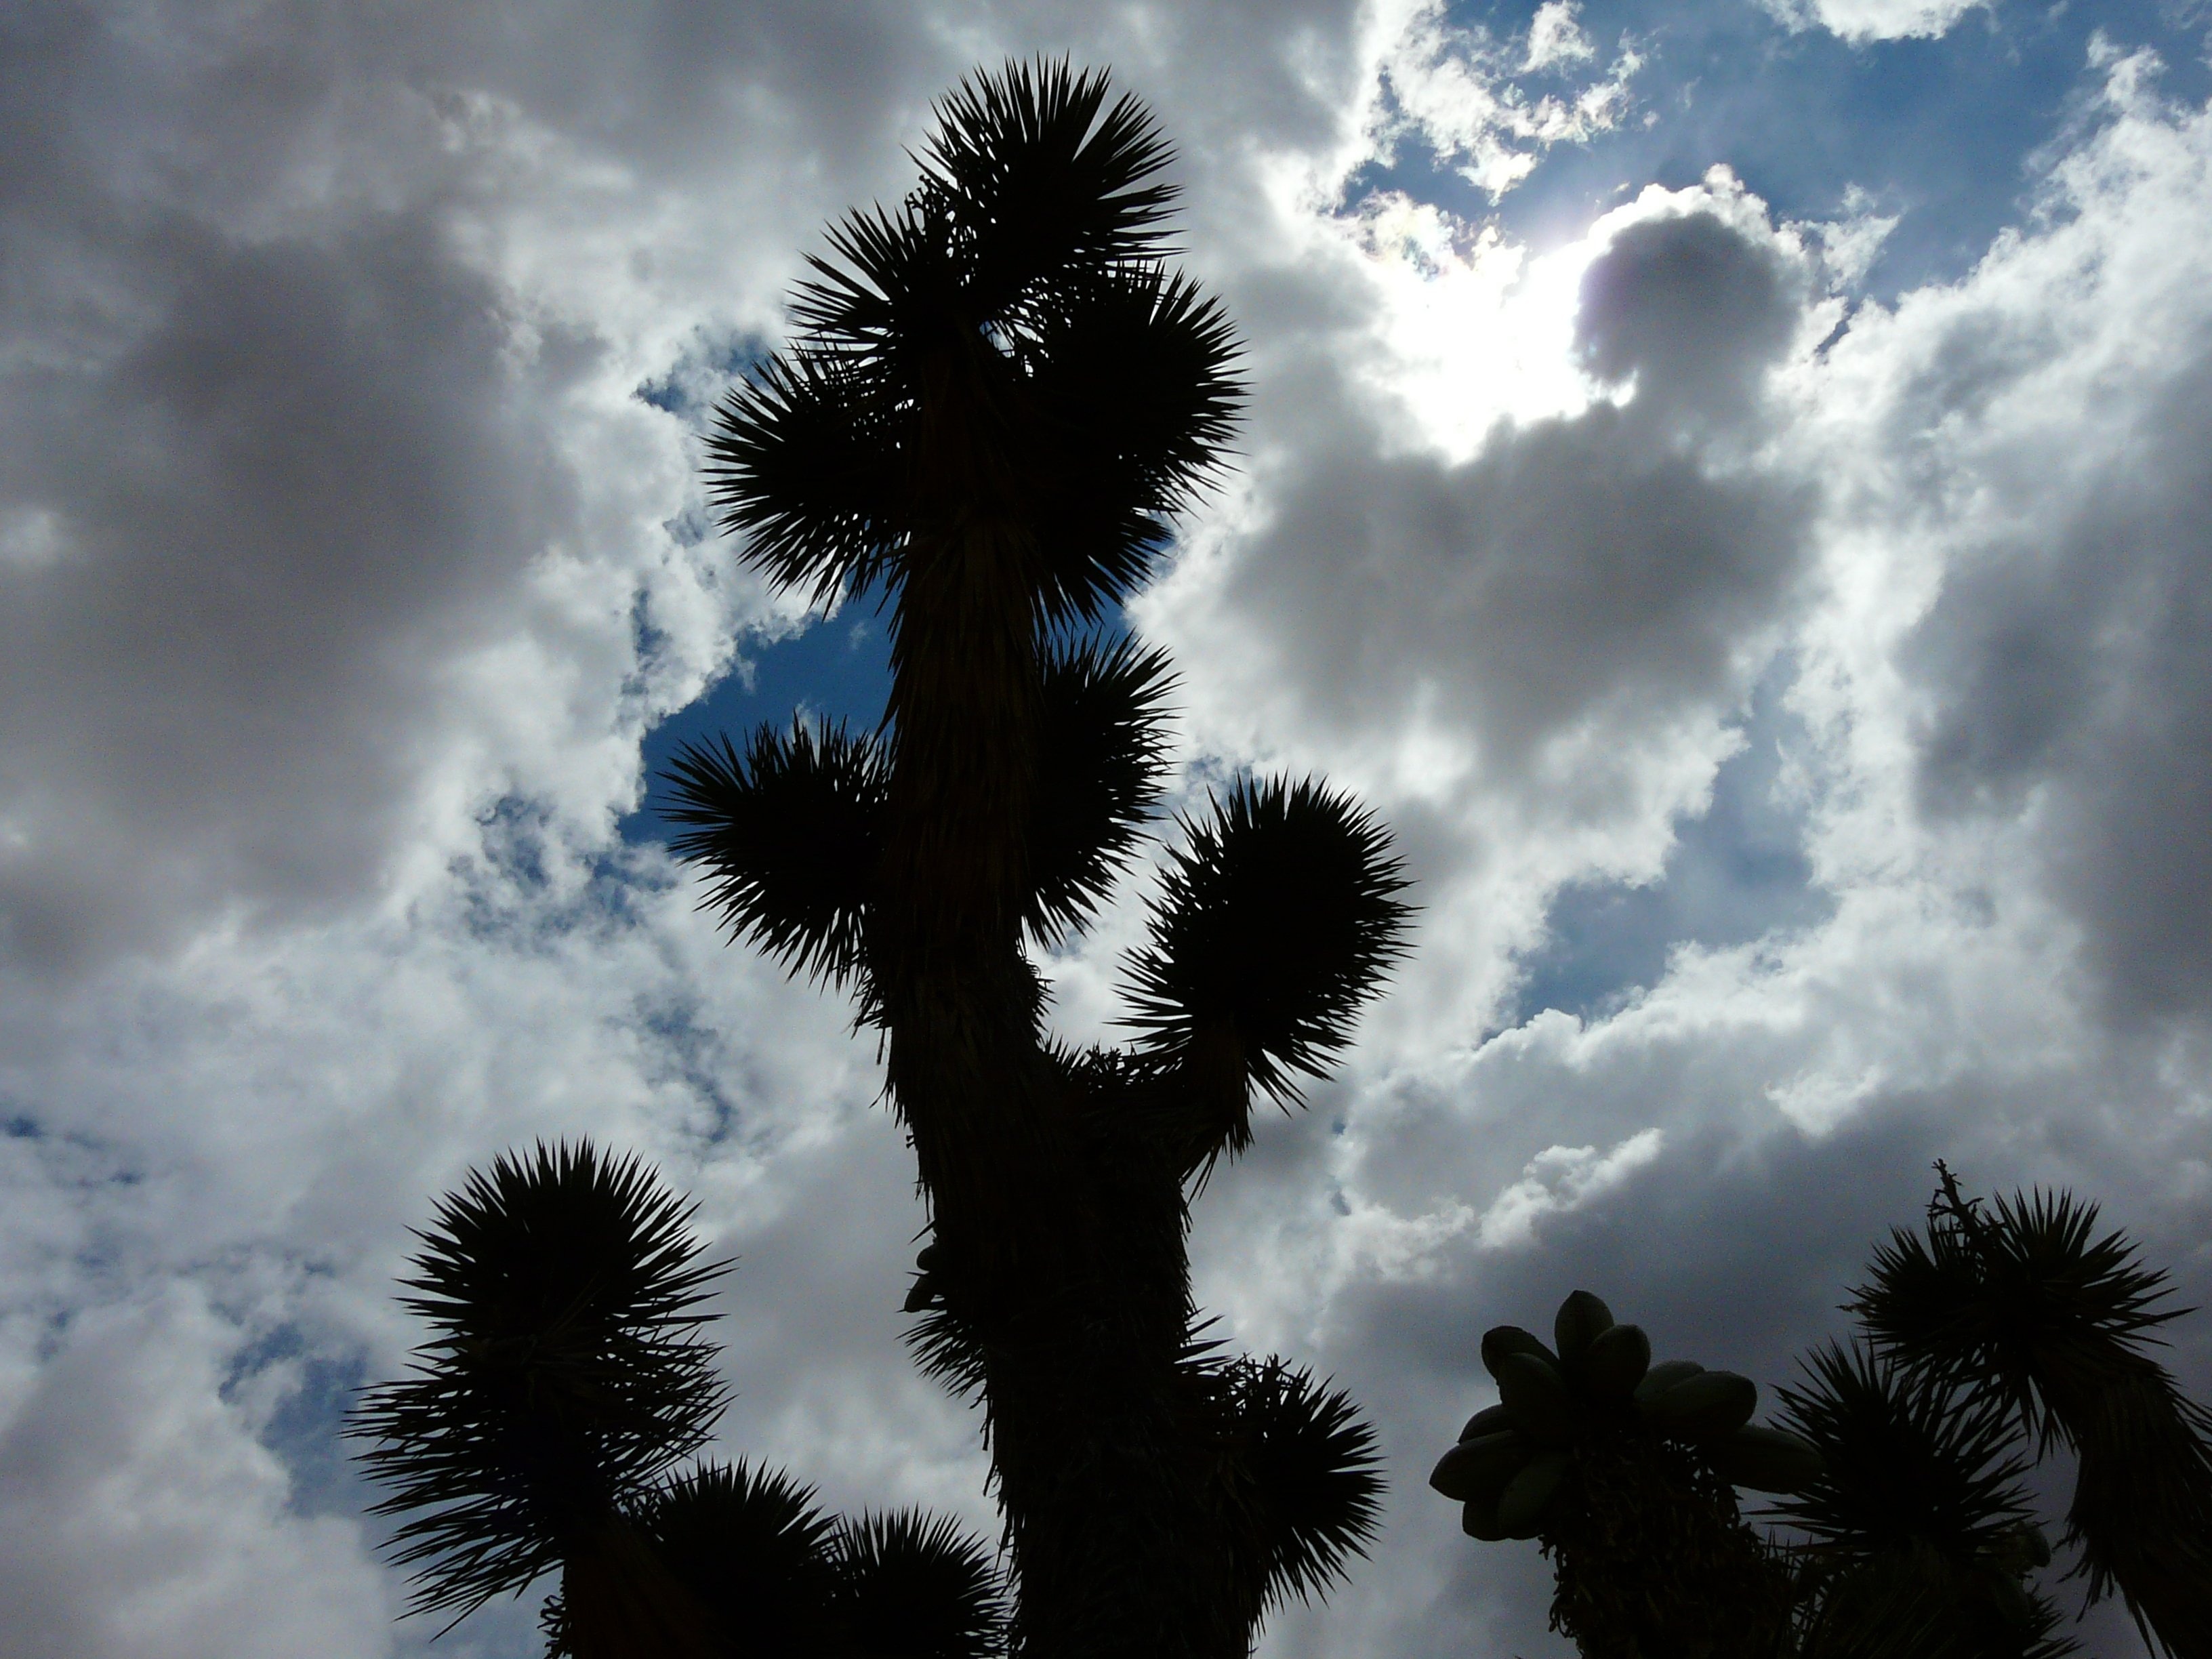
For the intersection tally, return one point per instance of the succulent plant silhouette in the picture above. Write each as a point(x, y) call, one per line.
point(1899, 1459)
point(540, 1429)
point(566, 1373)
point(1623, 1469)
point(998, 396)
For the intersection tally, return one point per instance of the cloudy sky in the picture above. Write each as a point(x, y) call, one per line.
point(1728, 480)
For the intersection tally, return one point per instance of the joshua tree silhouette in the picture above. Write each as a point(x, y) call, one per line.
point(998, 395)
point(565, 1377)
point(2028, 1312)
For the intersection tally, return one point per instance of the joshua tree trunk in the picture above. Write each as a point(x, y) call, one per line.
point(622, 1602)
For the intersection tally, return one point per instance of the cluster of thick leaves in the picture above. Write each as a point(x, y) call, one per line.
point(1616, 1464)
point(1515, 1465)
point(567, 1376)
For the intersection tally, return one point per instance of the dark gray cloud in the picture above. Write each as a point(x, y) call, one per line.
point(1600, 565)
point(263, 528)
point(1692, 312)
point(2068, 681)
point(268, 471)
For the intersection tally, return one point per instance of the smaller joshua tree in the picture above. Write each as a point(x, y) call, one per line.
point(2033, 1316)
point(1899, 1459)
point(542, 1425)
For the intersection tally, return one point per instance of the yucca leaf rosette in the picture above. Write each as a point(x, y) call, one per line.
point(909, 1585)
point(564, 1373)
point(1275, 923)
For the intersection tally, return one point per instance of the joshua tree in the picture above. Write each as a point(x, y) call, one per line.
point(566, 1377)
point(2027, 1312)
point(998, 396)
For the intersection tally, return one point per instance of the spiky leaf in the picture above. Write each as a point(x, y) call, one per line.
point(2027, 1304)
point(748, 1544)
point(1304, 1492)
point(1913, 1603)
point(1098, 774)
point(1005, 346)
point(1904, 1457)
point(804, 457)
point(1131, 379)
point(1042, 181)
point(2010, 1301)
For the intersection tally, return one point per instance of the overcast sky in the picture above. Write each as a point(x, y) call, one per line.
point(1728, 481)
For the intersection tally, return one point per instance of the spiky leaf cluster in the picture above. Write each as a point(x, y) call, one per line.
point(1904, 1457)
point(1921, 1532)
point(751, 1545)
point(565, 1372)
point(1998, 1301)
point(1913, 1603)
point(1098, 774)
point(2024, 1305)
point(1275, 924)
point(1300, 1481)
point(1006, 342)
point(915, 1586)
point(747, 1544)
point(788, 833)
point(566, 1375)
point(775, 1574)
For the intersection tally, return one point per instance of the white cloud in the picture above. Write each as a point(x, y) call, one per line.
point(1559, 1179)
point(1453, 87)
point(141, 1519)
point(1863, 21)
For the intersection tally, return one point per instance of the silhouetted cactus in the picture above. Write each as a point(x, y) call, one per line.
point(1919, 1536)
point(565, 1377)
point(1615, 1465)
point(998, 396)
